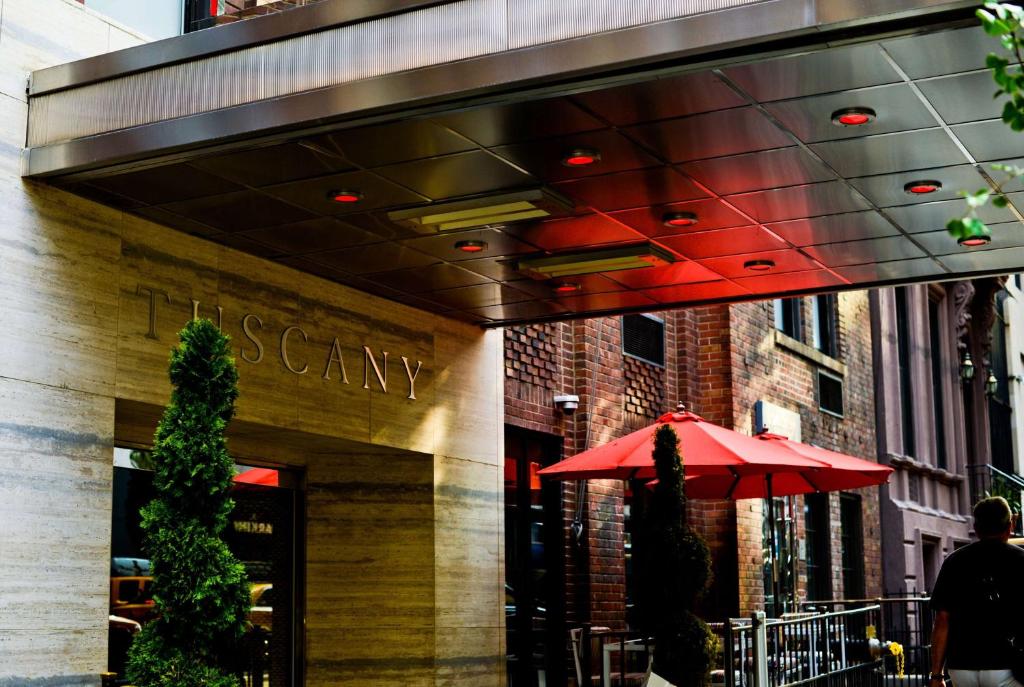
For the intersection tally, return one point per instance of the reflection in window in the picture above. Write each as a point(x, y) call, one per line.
point(261, 534)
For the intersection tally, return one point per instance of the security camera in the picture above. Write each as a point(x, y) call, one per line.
point(567, 403)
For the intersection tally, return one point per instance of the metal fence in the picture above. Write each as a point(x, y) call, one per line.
point(906, 620)
point(833, 649)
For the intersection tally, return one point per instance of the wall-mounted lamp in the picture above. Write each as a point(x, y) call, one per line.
point(966, 367)
point(991, 384)
point(567, 403)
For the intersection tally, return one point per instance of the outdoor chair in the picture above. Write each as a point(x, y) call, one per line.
point(594, 655)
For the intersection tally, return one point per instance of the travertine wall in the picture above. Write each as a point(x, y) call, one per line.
point(411, 597)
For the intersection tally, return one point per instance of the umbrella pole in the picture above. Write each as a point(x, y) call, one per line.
point(772, 547)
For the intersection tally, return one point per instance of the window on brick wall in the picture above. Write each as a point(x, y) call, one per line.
point(643, 337)
point(851, 539)
point(788, 317)
point(903, 360)
point(830, 393)
point(825, 327)
point(818, 547)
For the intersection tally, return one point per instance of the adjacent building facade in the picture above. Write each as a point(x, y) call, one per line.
point(800, 367)
point(949, 360)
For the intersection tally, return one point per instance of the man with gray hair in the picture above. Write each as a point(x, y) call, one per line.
point(979, 605)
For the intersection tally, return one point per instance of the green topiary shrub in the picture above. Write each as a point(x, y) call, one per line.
point(676, 569)
point(199, 588)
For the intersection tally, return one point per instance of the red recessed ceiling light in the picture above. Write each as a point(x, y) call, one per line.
point(853, 116)
point(922, 187)
point(346, 195)
point(974, 241)
point(567, 287)
point(471, 246)
point(679, 219)
point(759, 265)
point(581, 157)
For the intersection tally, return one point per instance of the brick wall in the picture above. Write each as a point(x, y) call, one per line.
point(719, 360)
point(763, 370)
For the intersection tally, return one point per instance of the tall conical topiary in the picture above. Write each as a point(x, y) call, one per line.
point(200, 589)
point(676, 571)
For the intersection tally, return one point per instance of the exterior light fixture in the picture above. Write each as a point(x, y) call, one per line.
point(991, 384)
point(345, 195)
point(853, 116)
point(564, 287)
point(679, 219)
point(974, 240)
point(581, 157)
point(922, 187)
point(966, 367)
point(505, 208)
point(471, 246)
point(759, 265)
point(594, 261)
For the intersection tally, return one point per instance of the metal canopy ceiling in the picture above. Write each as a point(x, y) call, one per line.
point(747, 146)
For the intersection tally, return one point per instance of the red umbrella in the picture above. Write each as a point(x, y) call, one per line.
point(839, 472)
point(707, 449)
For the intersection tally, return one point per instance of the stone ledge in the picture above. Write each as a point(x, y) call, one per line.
point(809, 353)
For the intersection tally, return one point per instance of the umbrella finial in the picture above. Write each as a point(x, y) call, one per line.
point(680, 407)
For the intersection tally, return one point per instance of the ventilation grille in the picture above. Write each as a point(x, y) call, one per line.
point(401, 42)
point(643, 337)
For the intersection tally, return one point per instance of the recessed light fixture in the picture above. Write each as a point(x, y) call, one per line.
point(922, 187)
point(853, 116)
point(564, 287)
point(679, 219)
point(505, 208)
point(471, 246)
point(974, 241)
point(581, 157)
point(594, 261)
point(759, 265)
point(345, 195)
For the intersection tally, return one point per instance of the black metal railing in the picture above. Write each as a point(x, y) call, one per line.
point(906, 620)
point(812, 649)
point(988, 480)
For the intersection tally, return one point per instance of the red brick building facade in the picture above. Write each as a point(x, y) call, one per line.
point(720, 361)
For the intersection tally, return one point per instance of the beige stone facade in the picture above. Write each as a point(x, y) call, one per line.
point(403, 509)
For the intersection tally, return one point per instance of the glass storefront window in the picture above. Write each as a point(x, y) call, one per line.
point(262, 533)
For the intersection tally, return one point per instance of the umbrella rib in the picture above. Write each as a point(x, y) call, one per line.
point(811, 482)
point(735, 483)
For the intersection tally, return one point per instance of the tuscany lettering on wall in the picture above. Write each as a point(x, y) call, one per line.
point(252, 349)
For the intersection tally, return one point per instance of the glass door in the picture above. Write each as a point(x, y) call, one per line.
point(535, 634)
point(263, 533)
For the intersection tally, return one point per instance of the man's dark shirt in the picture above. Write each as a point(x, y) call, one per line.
point(980, 586)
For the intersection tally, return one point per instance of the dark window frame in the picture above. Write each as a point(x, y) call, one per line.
point(851, 538)
point(935, 340)
point(639, 355)
point(817, 534)
point(789, 317)
point(825, 322)
point(823, 374)
point(904, 361)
